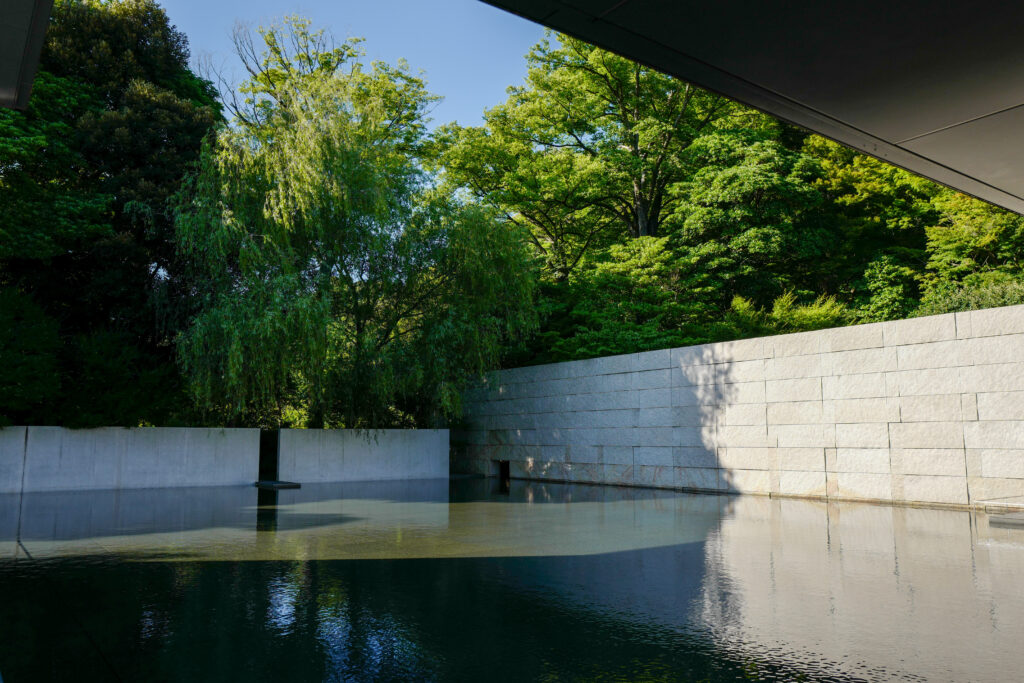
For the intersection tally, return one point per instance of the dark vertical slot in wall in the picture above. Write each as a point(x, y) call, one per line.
point(268, 454)
point(504, 477)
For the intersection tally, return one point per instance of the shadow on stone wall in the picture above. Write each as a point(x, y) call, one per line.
point(705, 389)
point(649, 419)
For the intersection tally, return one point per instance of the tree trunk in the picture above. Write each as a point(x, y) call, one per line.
point(644, 227)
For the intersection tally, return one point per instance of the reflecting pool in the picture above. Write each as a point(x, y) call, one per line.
point(465, 580)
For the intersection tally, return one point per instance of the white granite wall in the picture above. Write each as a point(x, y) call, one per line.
point(926, 410)
point(59, 459)
point(324, 455)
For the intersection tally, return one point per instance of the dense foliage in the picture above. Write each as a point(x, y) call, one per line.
point(325, 258)
point(665, 215)
point(86, 256)
point(584, 154)
point(337, 286)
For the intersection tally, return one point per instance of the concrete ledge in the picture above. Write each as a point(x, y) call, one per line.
point(325, 455)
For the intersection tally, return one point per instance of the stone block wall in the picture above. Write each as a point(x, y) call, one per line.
point(925, 410)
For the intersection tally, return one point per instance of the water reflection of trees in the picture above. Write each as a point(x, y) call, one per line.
point(432, 619)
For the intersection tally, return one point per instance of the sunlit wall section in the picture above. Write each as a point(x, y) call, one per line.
point(926, 410)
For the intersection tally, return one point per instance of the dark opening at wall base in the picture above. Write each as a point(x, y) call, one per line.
point(269, 439)
point(504, 472)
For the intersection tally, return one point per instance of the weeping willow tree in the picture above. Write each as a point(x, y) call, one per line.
point(336, 286)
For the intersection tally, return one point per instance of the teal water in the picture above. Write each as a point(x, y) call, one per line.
point(465, 581)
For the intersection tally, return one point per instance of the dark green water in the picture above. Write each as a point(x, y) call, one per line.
point(460, 581)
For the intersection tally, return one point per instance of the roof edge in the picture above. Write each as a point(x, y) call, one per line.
point(566, 19)
point(33, 51)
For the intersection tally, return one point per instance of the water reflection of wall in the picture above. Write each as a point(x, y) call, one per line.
point(85, 522)
point(188, 522)
point(8, 524)
point(863, 588)
point(653, 581)
point(833, 589)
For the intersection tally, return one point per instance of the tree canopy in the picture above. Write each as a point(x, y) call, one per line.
point(586, 151)
point(328, 257)
point(115, 121)
point(666, 215)
point(338, 287)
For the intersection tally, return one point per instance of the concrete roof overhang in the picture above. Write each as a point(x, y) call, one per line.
point(22, 29)
point(934, 87)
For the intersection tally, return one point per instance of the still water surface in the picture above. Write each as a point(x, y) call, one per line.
point(464, 581)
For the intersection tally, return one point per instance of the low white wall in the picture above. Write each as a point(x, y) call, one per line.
point(12, 458)
point(59, 459)
point(321, 455)
point(926, 410)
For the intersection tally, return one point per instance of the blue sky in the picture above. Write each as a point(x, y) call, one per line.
point(470, 52)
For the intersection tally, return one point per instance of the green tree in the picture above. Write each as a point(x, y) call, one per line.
point(975, 256)
point(749, 225)
point(110, 44)
point(971, 239)
point(879, 216)
point(627, 299)
point(750, 220)
point(115, 120)
point(48, 211)
point(28, 356)
point(337, 285)
point(585, 152)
